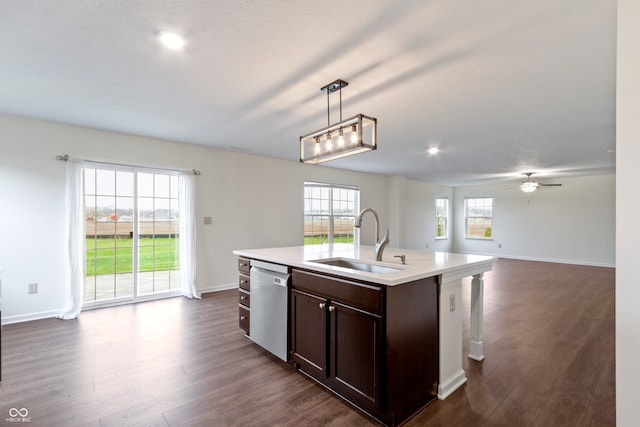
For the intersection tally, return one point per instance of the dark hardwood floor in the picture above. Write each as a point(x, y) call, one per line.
point(548, 341)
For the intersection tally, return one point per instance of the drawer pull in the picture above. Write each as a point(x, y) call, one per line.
point(243, 281)
point(242, 297)
point(243, 317)
point(321, 305)
point(331, 308)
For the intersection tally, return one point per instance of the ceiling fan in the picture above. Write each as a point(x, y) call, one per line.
point(530, 186)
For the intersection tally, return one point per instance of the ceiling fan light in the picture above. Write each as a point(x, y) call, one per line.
point(529, 186)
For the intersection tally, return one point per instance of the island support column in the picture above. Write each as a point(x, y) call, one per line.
point(475, 327)
point(451, 374)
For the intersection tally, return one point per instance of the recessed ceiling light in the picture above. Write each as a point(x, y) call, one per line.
point(433, 150)
point(171, 40)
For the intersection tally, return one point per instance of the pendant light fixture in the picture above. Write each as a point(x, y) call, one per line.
point(345, 138)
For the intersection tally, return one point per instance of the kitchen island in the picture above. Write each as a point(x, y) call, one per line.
point(407, 313)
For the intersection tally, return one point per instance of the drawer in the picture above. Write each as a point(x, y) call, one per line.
point(361, 295)
point(244, 265)
point(244, 298)
point(244, 315)
point(244, 282)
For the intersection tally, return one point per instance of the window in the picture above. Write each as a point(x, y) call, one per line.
point(329, 213)
point(478, 214)
point(132, 219)
point(442, 217)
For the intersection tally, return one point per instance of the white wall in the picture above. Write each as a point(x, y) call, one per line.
point(412, 214)
point(254, 202)
point(574, 223)
point(628, 232)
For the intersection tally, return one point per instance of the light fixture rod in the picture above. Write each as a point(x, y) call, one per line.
point(329, 89)
point(340, 103)
point(328, 111)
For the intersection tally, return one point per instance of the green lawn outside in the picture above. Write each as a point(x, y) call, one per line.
point(109, 256)
point(318, 240)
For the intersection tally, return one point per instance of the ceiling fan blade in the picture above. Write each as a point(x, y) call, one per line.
point(550, 185)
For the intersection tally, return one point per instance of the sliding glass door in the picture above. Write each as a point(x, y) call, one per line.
point(132, 234)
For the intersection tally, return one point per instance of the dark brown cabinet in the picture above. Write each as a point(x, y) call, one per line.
point(354, 349)
point(244, 294)
point(375, 346)
point(337, 344)
point(309, 333)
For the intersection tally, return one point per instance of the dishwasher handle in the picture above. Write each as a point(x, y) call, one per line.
point(280, 281)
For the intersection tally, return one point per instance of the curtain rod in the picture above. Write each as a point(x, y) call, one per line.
point(65, 157)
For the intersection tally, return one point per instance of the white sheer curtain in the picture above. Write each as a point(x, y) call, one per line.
point(188, 235)
point(74, 233)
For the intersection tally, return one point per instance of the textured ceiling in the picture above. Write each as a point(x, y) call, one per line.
point(502, 87)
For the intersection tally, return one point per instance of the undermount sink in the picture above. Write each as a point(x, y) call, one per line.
point(358, 265)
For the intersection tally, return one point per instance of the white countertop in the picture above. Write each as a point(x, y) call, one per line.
point(419, 264)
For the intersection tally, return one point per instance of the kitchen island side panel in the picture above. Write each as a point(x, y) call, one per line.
point(412, 346)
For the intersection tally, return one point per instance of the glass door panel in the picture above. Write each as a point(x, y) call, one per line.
point(158, 270)
point(108, 210)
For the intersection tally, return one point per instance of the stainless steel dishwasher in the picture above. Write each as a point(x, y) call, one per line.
point(269, 306)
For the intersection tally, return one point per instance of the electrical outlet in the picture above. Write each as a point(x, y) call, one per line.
point(33, 288)
point(207, 220)
point(499, 245)
point(452, 302)
point(427, 245)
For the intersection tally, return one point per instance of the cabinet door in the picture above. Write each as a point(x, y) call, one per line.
point(309, 333)
point(355, 355)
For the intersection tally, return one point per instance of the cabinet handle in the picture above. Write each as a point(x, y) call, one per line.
point(243, 297)
point(243, 281)
point(321, 305)
point(243, 317)
point(331, 308)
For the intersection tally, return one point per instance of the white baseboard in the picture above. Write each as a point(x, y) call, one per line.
point(451, 384)
point(218, 288)
point(559, 261)
point(30, 316)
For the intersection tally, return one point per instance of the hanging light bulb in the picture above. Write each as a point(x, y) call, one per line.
point(340, 138)
point(317, 145)
point(329, 144)
point(354, 135)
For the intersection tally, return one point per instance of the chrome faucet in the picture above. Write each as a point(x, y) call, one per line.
point(379, 244)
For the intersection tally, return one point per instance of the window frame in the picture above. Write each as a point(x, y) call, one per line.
point(331, 215)
point(485, 217)
point(444, 217)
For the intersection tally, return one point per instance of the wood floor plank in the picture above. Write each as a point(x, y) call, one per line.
point(549, 344)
